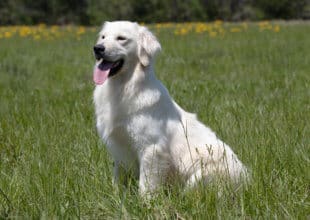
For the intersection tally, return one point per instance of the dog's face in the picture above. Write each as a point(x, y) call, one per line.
point(120, 47)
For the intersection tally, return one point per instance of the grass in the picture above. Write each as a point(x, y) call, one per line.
point(251, 87)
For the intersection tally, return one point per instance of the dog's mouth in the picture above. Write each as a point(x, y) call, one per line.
point(106, 69)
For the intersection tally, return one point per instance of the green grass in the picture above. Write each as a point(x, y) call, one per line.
point(251, 88)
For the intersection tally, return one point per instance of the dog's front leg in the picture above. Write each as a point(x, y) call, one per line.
point(116, 172)
point(154, 166)
point(120, 173)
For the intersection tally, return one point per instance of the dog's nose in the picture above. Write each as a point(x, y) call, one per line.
point(99, 48)
point(99, 51)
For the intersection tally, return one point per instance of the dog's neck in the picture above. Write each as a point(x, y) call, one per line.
point(126, 88)
point(130, 82)
point(136, 74)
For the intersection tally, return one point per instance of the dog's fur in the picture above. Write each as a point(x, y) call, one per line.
point(142, 126)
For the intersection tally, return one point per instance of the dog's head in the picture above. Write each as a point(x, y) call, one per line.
point(120, 47)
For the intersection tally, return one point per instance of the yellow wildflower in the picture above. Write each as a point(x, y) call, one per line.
point(218, 23)
point(235, 30)
point(24, 31)
point(36, 37)
point(276, 28)
point(212, 33)
point(80, 31)
point(7, 34)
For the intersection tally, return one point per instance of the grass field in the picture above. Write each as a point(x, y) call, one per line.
point(249, 82)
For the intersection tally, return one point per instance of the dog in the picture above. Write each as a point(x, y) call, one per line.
point(143, 128)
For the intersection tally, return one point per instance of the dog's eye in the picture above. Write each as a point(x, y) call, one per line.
point(121, 38)
point(102, 37)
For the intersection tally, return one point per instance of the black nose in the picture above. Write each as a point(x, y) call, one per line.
point(99, 51)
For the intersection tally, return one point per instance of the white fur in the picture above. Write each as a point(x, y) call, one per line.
point(143, 128)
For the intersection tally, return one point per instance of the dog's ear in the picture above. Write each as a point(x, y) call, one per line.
point(105, 23)
point(148, 46)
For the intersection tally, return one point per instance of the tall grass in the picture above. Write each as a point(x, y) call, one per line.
point(251, 87)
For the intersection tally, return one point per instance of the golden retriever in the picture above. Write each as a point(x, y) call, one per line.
point(143, 128)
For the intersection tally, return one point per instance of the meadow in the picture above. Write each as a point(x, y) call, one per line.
point(248, 81)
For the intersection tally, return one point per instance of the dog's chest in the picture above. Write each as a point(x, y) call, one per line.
point(129, 138)
point(137, 131)
point(129, 126)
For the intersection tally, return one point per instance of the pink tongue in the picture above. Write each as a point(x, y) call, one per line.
point(101, 72)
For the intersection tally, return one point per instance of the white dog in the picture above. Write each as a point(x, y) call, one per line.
point(144, 129)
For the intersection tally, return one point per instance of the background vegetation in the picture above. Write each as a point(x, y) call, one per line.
point(94, 12)
point(248, 81)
